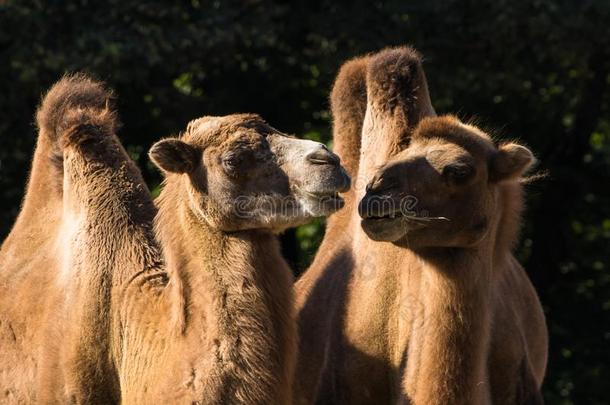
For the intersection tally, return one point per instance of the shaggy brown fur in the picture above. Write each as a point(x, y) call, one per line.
point(86, 215)
point(434, 312)
point(97, 308)
point(348, 103)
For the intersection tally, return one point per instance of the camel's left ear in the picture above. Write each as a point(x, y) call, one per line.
point(173, 155)
point(510, 162)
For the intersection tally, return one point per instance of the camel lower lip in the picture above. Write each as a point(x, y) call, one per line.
point(383, 217)
point(383, 228)
point(409, 218)
point(390, 229)
point(378, 220)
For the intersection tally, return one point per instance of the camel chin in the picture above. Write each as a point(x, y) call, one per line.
point(320, 204)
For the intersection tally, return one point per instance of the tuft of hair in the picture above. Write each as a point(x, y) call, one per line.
point(535, 177)
point(210, 130)
point(75, 105)
point(451, 129)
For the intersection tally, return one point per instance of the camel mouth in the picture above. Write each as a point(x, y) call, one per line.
point(390, 215)
point(329, 196)
point(392, 226)
point(410, 217)
point(382, 220)
point(323, 202)
point(383, 228)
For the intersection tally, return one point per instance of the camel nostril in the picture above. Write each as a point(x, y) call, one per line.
point(380, 185)
point(323, 157)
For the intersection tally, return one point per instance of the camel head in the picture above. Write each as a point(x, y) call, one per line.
point(239, 173)
point(441, 190)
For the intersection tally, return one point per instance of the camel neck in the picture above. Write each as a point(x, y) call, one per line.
point(228, 263)
point(442, 302)
point(236, 294)
point(237, 291)
point(217, 269)
point(452, 325)
point(452, 262)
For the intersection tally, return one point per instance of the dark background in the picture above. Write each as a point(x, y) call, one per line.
point(533, 70)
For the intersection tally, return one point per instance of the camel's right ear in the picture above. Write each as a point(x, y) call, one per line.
point(510, 162)
point(173, 155)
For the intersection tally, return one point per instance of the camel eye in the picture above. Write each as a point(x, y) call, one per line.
point(235, 163)
point(458, 173)
point(231, 163)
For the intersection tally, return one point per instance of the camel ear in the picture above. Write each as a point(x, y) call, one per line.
point(510, 162)
point(173, 155)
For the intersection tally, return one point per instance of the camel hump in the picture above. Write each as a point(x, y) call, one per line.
point(349, 90)
point(394, 77)
point(348, 107)
point(76, 106)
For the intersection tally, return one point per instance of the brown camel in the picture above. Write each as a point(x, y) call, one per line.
point(429, 310)
point(99, 307)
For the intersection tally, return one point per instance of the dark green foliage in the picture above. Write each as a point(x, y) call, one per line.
point(535, 70)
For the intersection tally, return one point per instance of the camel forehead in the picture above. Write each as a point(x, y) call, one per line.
point(439, 150)
point(215, 131)
point(454, 136)
point(436, 151)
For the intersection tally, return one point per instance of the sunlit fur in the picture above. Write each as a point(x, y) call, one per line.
point(83, 231)
point(387, 322)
